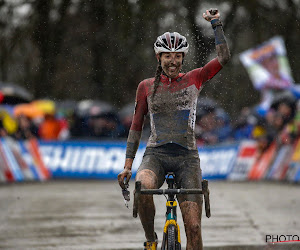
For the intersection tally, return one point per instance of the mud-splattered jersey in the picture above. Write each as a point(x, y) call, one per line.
point(172, 110)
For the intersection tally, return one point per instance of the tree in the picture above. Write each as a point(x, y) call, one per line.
point(101, 49)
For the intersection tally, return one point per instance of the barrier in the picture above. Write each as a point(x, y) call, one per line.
point(33, 148)
point(6, 173)
point(33, 160)
point(262, 163)
point(106, 159)
point(280, 165)
point(21, 161)
point(246, 158)
point(293, 172)
point(12, 168)
point(87, 159)
point(217, 162)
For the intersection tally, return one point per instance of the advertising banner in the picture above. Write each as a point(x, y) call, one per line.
point(297, 175)
point(4, 166)
point(106, 159)
point(217, 162)
point(14, 147)
point(87, 159)
point(280, 165)
point(263, 163)
point(11, 161)
point(245, 160)
point(293, 172)
point(29, 160)
point(268, 65)
point(33, 148)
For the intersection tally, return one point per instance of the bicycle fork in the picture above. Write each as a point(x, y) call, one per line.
point(171, 219)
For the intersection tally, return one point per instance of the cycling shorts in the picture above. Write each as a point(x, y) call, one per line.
point(184, 163)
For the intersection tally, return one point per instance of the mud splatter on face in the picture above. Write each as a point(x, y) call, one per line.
point(172, 69)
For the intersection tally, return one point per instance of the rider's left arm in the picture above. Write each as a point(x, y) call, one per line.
point(223, 53)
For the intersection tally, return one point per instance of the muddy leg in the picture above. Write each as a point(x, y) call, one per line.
point(191, 214)
point(146, 208)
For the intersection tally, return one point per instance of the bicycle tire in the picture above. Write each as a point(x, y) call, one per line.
point(171, 237)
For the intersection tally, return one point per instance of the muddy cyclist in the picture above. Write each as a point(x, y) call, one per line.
point(170, 99)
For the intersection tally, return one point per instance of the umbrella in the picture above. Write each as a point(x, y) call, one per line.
point(46, 106)
point(28, 110)
point(92, 108)
point(8, 122)
point(13, 94)
point(35, 109)
point(66, 105)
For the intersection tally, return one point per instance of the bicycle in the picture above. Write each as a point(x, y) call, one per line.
point(171, 235)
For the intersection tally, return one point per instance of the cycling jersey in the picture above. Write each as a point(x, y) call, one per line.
point(172, 110)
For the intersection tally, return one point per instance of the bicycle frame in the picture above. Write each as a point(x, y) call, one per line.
point(171, 205)
point(171, 214)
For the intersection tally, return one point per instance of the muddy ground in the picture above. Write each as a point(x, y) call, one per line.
point(91, 215)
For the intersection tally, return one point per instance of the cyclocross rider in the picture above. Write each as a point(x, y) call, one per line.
point(170, 98)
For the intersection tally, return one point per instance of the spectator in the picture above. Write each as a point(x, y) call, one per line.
point(64, 120)
point(26, 128)
point(285, 104)
point(78, 126)
point(223, 127)
point(106, 125)
point(243, 127)
point(205, 126)
point(49, 128)
point(126, 116)
point(3, 131)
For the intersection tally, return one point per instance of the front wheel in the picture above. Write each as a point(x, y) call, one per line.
point(172, 243)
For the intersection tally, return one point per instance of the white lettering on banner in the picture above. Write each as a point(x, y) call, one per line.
point(111, 159)
point(65, 162)
point(84, 159)
point(46, 154)
point(56, 157)
point(75, 159)
point(216, 162)
point(118, 159)
point(138, 159)
point(89, 158)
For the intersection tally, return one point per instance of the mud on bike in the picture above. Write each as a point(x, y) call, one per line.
point(171, 235)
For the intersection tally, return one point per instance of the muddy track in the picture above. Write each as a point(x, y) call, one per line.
point(91, 215)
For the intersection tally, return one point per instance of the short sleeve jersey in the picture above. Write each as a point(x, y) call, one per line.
point(172, 110)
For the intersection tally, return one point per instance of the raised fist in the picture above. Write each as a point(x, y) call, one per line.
point(211, 14)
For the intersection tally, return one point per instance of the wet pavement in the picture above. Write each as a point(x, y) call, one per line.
point(91, 215)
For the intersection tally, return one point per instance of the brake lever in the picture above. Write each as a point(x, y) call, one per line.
point(126, 195)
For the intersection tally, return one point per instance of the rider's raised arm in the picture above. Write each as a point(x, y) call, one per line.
point(208, 71)
point(135, 132)
point(223, 53)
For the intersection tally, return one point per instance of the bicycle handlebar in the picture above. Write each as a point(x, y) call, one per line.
point(170, 191)
point(139, 191)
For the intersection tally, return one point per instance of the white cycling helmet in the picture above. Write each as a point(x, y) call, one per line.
point(171, 42)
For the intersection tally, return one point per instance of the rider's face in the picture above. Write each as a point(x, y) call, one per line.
point(171, 63)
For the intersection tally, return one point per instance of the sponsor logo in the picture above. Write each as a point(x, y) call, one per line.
point(217, 163)
point(86, 159)
point(107, 160)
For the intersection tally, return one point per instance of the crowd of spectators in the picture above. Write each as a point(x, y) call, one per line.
point(94, 120)
point(279, 124)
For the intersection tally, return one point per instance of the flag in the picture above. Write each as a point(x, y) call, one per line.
point(268, 66)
